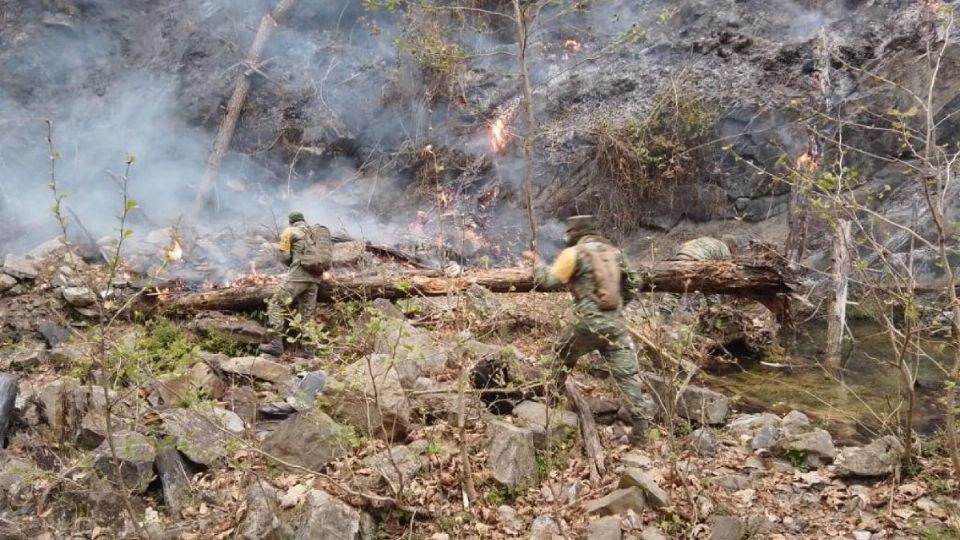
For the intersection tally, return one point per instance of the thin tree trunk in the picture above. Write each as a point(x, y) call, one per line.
point(836, 321)
point(225, 135)
point(528, 137)
point(588, 429)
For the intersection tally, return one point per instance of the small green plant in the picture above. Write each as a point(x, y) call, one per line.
point(797, 458)
point(946, 534)
point(163, 350)
point(219, 344)
point(666, 14)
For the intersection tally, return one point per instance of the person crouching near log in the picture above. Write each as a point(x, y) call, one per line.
point(307, 251)
point(601, 282)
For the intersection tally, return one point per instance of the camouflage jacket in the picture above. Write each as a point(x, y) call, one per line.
point(703, 249)
point(291, 249)
point(573, 267)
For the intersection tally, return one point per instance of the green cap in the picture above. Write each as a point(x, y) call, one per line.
point(295, 217)
point(581, 223)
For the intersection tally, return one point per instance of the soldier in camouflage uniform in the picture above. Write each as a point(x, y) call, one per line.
point(705, 248)
point(298, 290)
point(602, 283)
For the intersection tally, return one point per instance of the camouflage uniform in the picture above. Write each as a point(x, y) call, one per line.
point(704, 248)
point(299, 289)
point(594, 328)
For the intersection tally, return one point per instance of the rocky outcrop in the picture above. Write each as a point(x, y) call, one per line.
point(19, 267)
point(257, 367)
point(133, 454)
point(202, 434)
point(261, 520)
point(618, 502)
point(654, 494)
point(696, 403)
point(534, 415)
point(605, 528)
point(413, 352)
point(327, 517)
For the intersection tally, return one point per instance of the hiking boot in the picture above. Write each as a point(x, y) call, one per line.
point(274, 347)
point(638, 432)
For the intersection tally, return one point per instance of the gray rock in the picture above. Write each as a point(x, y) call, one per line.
point(257, 367)
point(543, 528)
point(16, 476)
point(261, 520)
point(765, 437)
point(205, 380)
point(508, 517)
point(727, 528)
point(637, 460)
point(815, 445)
point(174, 479)
point(329, 518)
point(862, 535)
point(733, 482)
point(878, 458)
point(750, 423)
point(652, 533)
point(8, 397)
point(618, 502)
point(63, 404)
point(413, 352)
point(348, 252)
point(431, 401)
point(605, 528)
point(230, 328)
point(654, 494)
point(79, 296)
point(385, 466)
point(310, 439)
point(795, 422)
point(19, 267)
point(697, 403)
point(202, 435)
point(512, 459)
point(703, 442)
point(7, 282)
point(135, 454)
point(54, 334)
point(533, 415)
point(308, 388)
point(177, 390)
point(370, 397)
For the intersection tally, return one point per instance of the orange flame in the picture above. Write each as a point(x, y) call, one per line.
point(807, 161)
point(498, 134)
point(572, 45)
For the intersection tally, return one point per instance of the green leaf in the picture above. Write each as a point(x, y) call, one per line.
point(132, 205)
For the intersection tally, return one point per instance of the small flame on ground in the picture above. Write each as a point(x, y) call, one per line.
point(572, 45)
point(174, 253)
point(498, 134)
point(807, 161)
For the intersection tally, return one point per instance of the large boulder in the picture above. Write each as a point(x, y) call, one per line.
point(63, 404)
point(370, 397)
point(878, 458)
point(696, 403)
point(310, 439)
point(79, 296)
point(605, 528)
point(202, 434)
point(813, 446)
point(534, 415)
point(134, 453)
point(7, 282)
point(327, 517)
point(511, 459)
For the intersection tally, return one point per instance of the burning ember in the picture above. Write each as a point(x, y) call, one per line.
point(498, 134)
point(807, 161)
point(572, 45)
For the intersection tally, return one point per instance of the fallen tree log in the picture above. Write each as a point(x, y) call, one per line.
point(707, 277)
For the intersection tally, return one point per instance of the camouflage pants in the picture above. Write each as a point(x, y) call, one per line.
point(291, 297)
point(610, 339)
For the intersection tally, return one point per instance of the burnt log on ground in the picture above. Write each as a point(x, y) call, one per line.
point(756, 281)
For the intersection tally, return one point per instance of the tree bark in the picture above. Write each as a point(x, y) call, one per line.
point(528, 137)
point(836, 321)
point(222, 142)
point(707, 277)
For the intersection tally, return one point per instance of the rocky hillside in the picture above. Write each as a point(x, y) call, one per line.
point(654, 114)
point(379, 427)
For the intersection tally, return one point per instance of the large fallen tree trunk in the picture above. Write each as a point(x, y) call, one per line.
point(708, 277)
